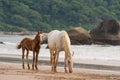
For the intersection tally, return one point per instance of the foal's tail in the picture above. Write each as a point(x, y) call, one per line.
point(19, 46)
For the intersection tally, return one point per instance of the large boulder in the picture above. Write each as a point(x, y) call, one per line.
point(44, 38)
point(108, 32)
point(1, 42)
point(79, 35)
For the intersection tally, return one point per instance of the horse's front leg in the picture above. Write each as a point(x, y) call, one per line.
point(33, 60)
point(36, 60)
point(65, 62)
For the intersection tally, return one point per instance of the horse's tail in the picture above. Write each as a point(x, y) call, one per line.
point(19, 46)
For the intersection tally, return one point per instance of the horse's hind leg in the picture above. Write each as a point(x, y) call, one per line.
point(56, 60)
point(27, 59)
point(52, 59)
point(23, 50)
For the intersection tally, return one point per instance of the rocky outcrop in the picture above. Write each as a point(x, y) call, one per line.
point(108, 32)
point(79, 36)
point(1, 42)
point(44, 38)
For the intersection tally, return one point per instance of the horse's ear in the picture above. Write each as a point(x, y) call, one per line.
point(40, 32)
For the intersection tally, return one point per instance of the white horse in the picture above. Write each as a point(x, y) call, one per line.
point(59, 41)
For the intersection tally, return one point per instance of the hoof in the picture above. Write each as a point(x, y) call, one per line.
point(52, 70)
point(23, 67)
point(70, 71)
point(55, 70)
point(33, 68)
point(28, 68)
point(66, 71)
point(36, 67)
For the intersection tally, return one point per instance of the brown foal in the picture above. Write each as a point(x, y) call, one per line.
point(32, 45)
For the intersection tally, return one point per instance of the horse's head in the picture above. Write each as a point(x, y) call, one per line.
point(70, 63)
point(39, 36)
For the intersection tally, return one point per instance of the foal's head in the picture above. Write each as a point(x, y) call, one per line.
point(38, 36)
point(70, 62)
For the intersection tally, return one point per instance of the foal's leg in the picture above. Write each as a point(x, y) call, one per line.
point(27, 59)
point(33, 60)
point(36, 60)
point(23, 50)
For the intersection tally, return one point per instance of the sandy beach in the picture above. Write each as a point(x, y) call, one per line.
point(13, 71)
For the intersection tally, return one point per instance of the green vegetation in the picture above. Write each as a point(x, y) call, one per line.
point(33, 15)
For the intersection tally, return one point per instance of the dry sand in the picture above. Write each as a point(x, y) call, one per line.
point(14, 71)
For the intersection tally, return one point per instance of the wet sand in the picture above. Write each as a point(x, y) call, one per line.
point(13, 71)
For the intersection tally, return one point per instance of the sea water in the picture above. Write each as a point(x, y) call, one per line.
point(85, 52)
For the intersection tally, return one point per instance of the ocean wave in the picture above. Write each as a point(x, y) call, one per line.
point(94, 52)
point(10, 43)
